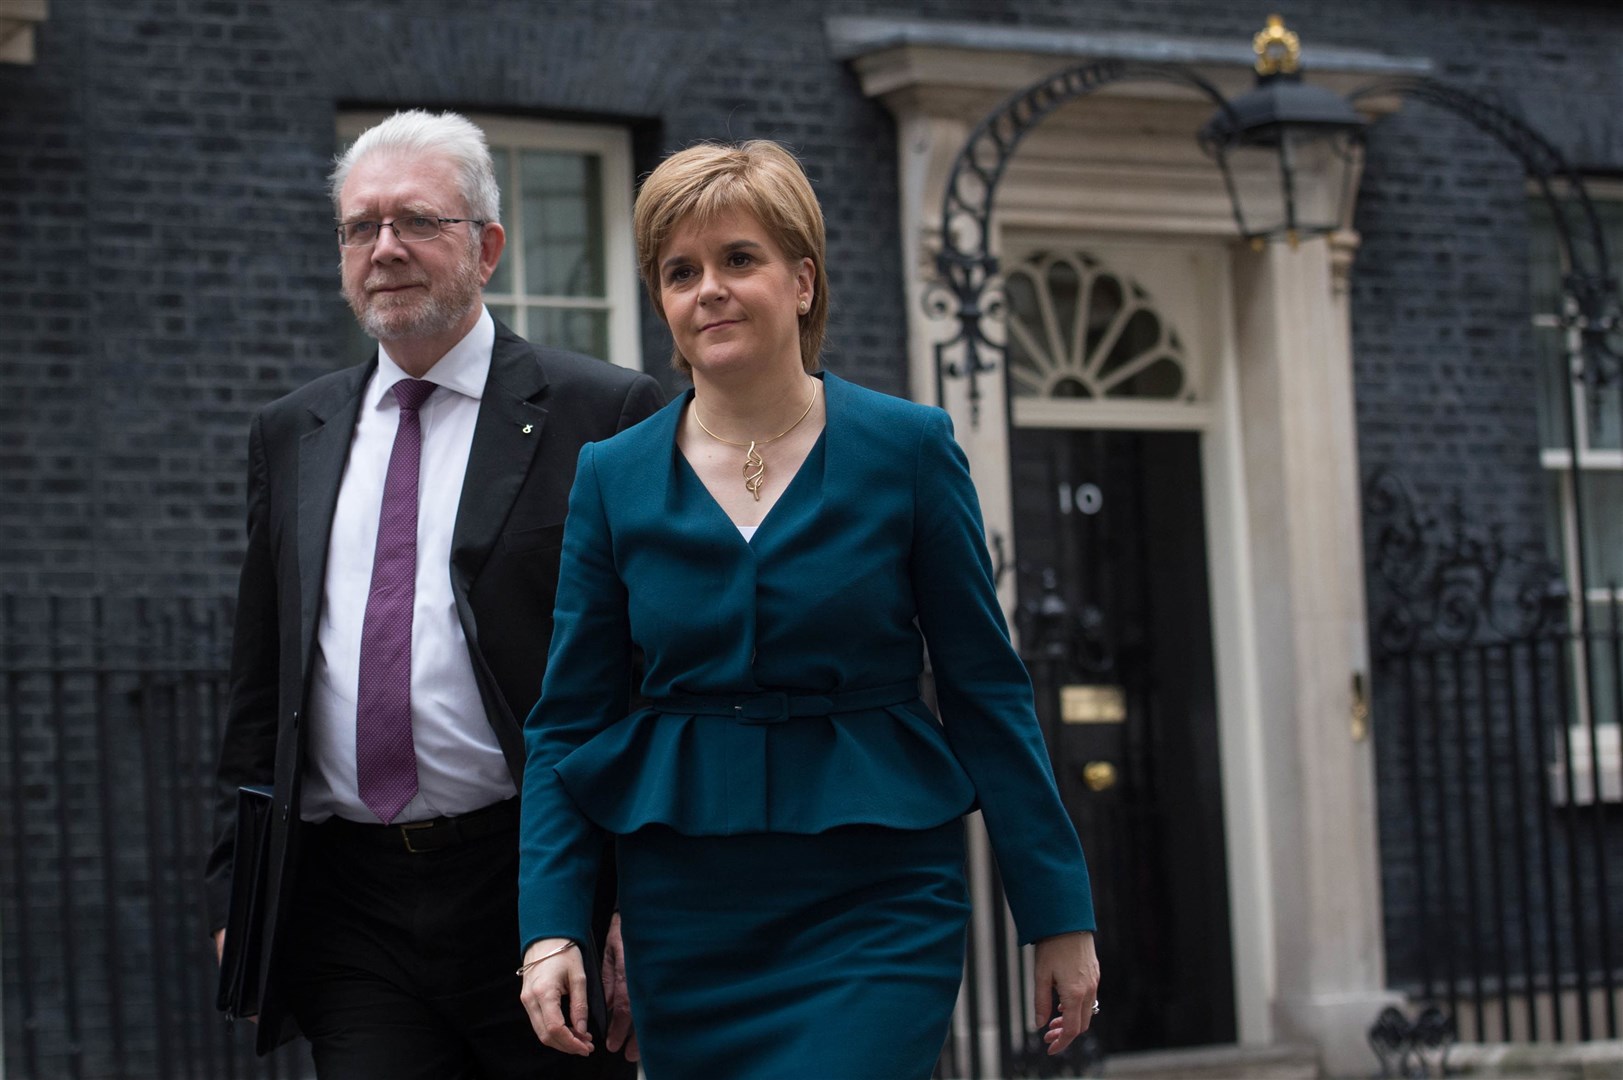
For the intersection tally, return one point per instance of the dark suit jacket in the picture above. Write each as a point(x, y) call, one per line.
point(540, 406)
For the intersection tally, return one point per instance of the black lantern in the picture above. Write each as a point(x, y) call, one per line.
point(1290, 152)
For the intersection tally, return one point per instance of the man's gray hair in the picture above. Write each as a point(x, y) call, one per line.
point(416, 133)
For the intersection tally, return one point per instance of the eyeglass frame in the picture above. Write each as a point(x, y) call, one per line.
point(390, 224)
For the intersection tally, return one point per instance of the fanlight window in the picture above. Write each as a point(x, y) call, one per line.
point(1080, 330)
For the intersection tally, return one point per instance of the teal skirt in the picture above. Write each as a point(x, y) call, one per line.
point(834, 956)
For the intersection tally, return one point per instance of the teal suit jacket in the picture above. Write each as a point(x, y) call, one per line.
point(876, 539)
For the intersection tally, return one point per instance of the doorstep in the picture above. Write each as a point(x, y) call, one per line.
point(1283, 1062)
point(1598, 1060)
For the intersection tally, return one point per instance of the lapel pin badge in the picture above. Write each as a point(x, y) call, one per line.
point(528, 428)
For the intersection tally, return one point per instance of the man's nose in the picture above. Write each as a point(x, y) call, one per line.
point(388, 247)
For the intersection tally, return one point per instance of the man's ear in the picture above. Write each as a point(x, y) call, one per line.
point(492, 242)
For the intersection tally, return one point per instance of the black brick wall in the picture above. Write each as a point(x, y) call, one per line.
point(165, 266)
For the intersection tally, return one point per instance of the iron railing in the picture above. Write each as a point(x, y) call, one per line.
point(109, 720)
point(1498, 718)
point(110, 715)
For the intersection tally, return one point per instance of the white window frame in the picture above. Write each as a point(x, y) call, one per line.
point(612, 145)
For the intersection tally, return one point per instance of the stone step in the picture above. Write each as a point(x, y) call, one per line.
point(1597, 1060)
point(1284, 1062)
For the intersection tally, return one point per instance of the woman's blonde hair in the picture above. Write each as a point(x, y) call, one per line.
point(759, 177)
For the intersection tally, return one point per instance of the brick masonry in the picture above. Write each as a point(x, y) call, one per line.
point(165, 267)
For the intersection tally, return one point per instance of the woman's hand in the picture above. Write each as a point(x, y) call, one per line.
point(546, 984)
point(1066, 963)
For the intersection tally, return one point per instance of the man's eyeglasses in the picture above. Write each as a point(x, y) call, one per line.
point(409, 230)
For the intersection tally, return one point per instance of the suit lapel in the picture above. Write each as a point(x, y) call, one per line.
point(323, 452)
point(505, 439)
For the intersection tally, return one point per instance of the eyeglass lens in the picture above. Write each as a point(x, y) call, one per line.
point(410, 230)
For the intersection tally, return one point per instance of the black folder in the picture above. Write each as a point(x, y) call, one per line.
point(240, 963)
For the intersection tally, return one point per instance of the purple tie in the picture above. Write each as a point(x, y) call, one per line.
point(385, 760)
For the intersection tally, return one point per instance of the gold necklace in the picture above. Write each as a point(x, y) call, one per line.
point(752, 457)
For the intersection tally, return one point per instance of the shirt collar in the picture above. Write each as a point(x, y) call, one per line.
point(463, 369)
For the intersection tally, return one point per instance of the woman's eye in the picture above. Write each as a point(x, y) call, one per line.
point(738, 258)
point(678, 274)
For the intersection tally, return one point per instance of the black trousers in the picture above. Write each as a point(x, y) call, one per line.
point(402, 964)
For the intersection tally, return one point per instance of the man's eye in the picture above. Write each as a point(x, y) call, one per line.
point(421, 223)
point(363, 229)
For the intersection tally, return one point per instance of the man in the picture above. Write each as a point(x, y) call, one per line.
point(393, 618)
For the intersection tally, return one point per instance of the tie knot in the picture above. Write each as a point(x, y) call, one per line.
point(411, 393)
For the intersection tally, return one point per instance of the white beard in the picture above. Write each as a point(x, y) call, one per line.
point(392, 318)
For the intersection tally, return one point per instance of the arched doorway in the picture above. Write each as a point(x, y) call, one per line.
point(1109, 411)
point(1277, 462)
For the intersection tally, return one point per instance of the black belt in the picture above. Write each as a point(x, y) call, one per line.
point(776, 706)
point(423, 837)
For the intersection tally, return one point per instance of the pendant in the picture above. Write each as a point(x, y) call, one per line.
point(754, 480)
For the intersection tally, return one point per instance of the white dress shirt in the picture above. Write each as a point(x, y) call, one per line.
point(460, 766)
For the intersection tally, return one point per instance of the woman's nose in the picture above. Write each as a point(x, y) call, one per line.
point(712, 289)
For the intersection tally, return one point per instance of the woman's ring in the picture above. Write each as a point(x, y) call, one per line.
point(1096, 1007)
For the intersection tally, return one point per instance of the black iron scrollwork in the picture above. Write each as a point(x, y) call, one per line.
point(1450, 581)
point(1589, 283)
point(1419, 1048)
point(966, 286)
point(967, 270)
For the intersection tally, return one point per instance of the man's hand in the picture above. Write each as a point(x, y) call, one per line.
point(219, 958)
point(620, 1033)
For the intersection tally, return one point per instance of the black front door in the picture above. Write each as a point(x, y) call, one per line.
point(1115, 624)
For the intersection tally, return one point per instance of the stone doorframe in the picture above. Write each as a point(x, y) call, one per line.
point(1287, 566)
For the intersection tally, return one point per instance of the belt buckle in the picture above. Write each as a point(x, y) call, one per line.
point(415, 826)
point(769, 707)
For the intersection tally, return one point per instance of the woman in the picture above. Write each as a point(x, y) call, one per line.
point(787, 812)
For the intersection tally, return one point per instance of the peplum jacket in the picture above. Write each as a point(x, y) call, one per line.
point(874, 549)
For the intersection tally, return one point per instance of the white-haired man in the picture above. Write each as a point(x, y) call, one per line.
point(393, 618)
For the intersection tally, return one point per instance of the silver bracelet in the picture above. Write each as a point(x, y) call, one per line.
point(565, 947)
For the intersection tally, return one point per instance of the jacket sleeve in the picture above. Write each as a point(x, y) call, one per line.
point(248, 745)
point(643, 399)
point(985, 697)
point(586, 688)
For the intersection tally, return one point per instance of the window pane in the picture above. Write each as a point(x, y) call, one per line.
point(563, 328)
point(506, 314)
point(1603, 528)
point(502, 280)
point(1601, 414)
point(563, 223)
point(1603, 670)
point(1555, 529)
point(1544, 259)
point(1549, 349)
point(1602, 511)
